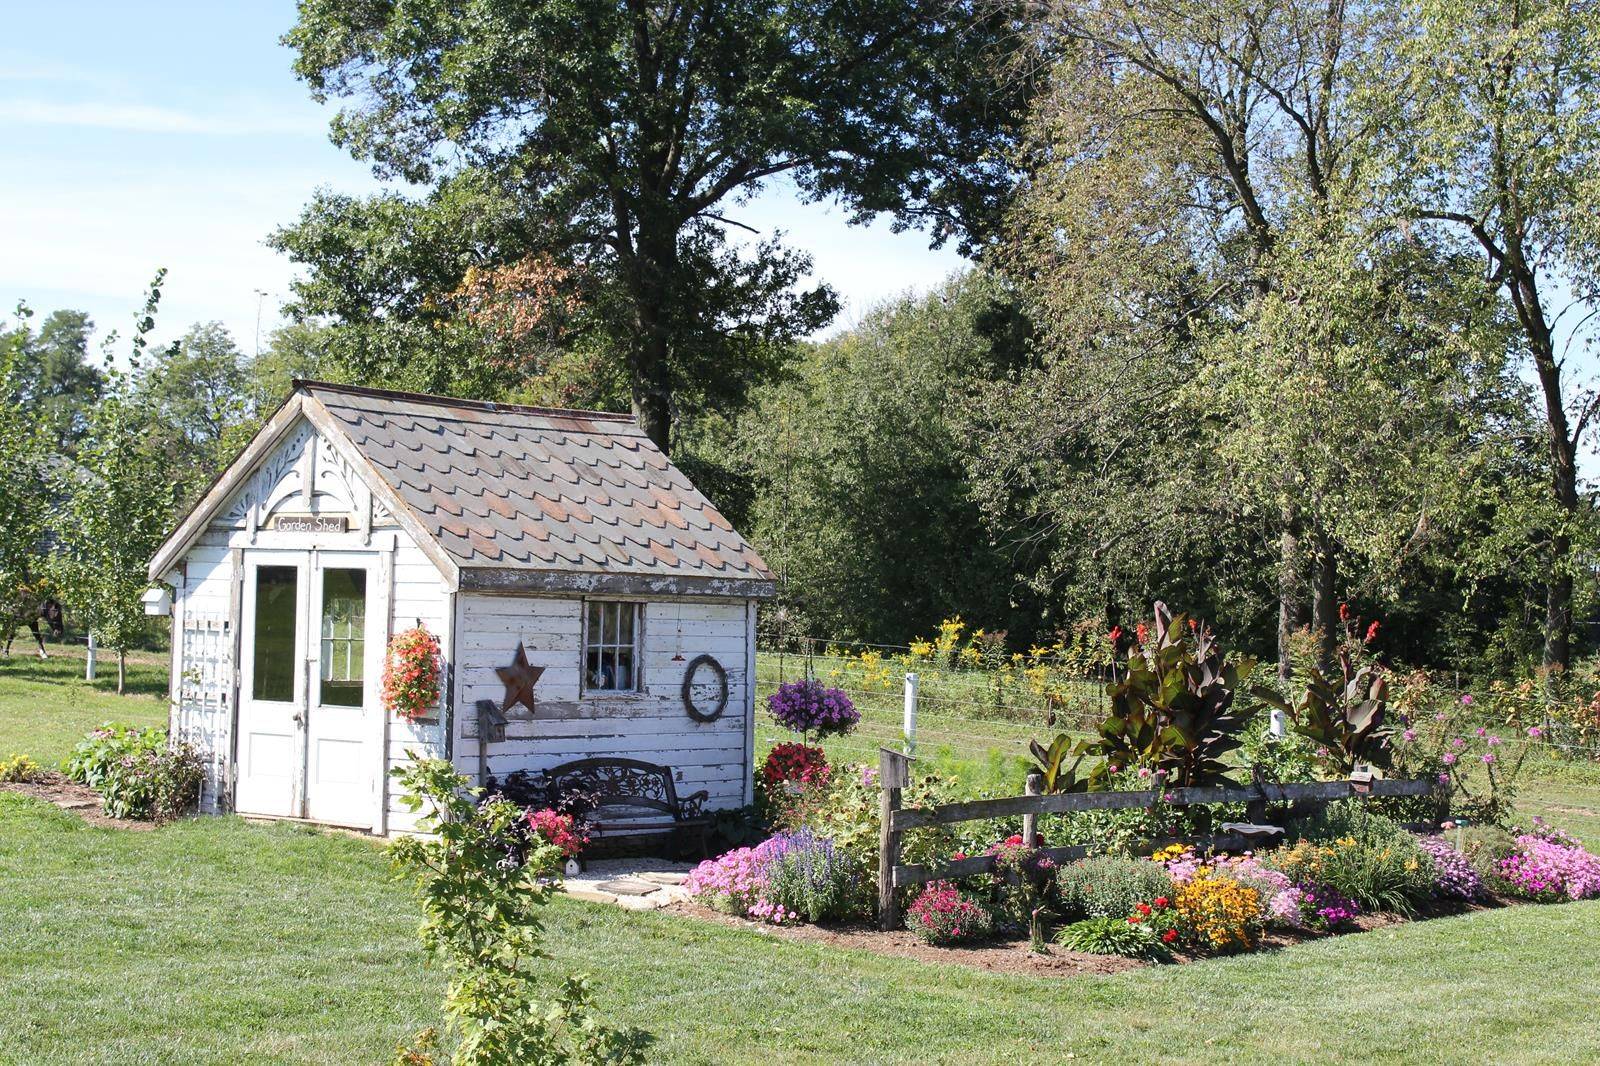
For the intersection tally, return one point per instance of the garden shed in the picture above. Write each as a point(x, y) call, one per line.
point(587, 601)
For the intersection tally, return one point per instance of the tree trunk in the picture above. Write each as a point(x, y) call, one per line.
point(650, 372)
point(1325, 604)
point(122, 671)
point(1288, 594)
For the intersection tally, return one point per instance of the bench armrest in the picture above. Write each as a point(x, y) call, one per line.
point(690, 806)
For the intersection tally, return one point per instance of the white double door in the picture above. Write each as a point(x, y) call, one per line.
point(311, 649)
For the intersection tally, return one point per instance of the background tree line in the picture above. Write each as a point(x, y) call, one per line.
point(1275, 304)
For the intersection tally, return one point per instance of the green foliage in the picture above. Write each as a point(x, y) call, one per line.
point(610, 136)
point(1342, 717)
point(819, 881)
point(139, 773)
point(1110, 886)
point(1113, 936)
point(857, 465)
point(1362, 855)
point(55, 383)
point(25, 454)
point(482, 920)
point(1171, 713)
point(121, 496)
point(19, 768)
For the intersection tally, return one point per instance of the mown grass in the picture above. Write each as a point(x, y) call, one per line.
point(46, 705)
point(216, 940)
point(219, 940)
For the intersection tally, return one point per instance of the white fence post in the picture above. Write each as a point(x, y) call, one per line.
point(88, 663)
point(911, 714)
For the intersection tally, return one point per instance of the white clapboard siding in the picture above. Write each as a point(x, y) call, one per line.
point(651, 725)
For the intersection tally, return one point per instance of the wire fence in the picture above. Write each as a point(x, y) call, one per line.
point(967, 712)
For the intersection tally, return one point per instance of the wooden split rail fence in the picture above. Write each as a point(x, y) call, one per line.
point(894, 774)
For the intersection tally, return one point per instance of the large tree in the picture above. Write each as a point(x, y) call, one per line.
point(55, 382)
point(1237, 347)
point(617, 136)
point(1492, 111)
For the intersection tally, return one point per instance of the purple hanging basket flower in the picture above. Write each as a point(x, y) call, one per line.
point(807, 708)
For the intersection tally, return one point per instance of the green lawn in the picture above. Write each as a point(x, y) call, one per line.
point(46, 705)
point(218, 940)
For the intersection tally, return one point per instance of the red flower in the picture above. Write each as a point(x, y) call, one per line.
point(1161, 901)
point(1142, 632)
point(1169, 936)
point(1143, 909)
point(1133, 919)
point(1372, 633)
point(1014, 840)
point(1344, 612)
point(1115, 634)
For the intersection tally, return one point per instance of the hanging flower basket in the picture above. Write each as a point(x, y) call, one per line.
point(411, 673)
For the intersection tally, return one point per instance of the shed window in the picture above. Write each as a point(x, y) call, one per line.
point(611, 646)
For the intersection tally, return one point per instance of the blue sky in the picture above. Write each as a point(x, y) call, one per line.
point(141, 136)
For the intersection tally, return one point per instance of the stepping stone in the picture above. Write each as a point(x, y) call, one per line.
point(640, 903)
point(590, 895)
point(627, 886)
point(664, 877)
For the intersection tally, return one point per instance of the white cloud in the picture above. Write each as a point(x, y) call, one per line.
point(146, 118)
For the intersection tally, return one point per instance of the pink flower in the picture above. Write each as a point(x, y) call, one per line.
point(1449, 758)
point(1481, 731)
point(1535, 732)
point(1488, 758)
point(1410, 734)
point(1494, 742)
point(1444, 779)
point(1144, 772)
point(1466, 700)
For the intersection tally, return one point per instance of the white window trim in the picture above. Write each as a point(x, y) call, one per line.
point(637, 689)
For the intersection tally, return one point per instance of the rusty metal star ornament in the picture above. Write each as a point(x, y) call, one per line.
point(519, 679)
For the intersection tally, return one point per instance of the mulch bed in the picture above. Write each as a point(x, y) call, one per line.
point(81, 800)
point(1013, 956)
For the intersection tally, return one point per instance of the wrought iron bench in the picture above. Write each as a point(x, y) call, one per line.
point(616, 785)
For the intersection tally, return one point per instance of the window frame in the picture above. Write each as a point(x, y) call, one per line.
point(636, 647)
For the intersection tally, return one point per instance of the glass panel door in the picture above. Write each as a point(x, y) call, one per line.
point(272, 676)
point(344, 638)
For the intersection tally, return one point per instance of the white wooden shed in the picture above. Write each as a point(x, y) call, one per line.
point(355, 513)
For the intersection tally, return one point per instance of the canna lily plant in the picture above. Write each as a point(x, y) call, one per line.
point(1172, 712)
point(1343, 716)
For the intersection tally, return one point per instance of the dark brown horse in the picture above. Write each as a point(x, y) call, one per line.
point(30, 612)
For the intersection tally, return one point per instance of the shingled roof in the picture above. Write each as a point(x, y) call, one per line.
point(538, 499)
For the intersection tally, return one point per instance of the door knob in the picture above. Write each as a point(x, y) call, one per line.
point(298, 718)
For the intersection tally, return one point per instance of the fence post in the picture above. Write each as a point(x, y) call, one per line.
point(1030, 821)
point(1280, 724)
point(88, 662)
point(894, 773)
point(911, 714)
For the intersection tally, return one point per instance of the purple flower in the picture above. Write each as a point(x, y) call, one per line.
point(1409, 735)
point(807, 707)
point(1449, 758)
point(1466, 701)
point(1535, 732)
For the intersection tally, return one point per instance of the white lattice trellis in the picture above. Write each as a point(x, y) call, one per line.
point(203, 694)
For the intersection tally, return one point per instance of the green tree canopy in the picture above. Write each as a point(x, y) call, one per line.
point(606, 142)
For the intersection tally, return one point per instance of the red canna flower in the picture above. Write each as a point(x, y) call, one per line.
point(1169, 936)
point(1344, 612)
point(1372, 633)
point(1141, 632)
point(1115, 634)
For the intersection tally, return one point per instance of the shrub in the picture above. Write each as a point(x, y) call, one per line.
point(1108, 886)
point(1114, 936)
point(482, 920)
point(807, 875)
point(137, 773)
point(18, 768)
point(944, 914)
point(1217, 912)
point(808, 708)
point(1377, 873)
point(1484, 846)
point(94, 756)
point(157, 784)
point(1453, 875)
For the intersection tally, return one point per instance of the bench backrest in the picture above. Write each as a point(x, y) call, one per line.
point(617, 782)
